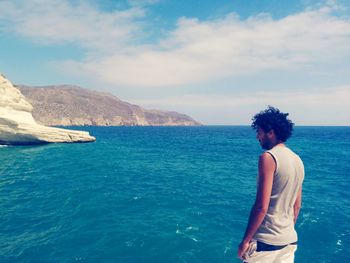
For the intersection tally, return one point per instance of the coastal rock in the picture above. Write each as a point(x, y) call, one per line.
point(18, 127)
point(67, 105)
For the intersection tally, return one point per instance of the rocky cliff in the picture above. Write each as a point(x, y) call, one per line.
point(72, 105)
point(18, 127)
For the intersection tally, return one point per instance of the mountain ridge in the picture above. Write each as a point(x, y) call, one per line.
point(71, 105)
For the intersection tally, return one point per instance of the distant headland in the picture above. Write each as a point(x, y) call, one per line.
point(66, 105)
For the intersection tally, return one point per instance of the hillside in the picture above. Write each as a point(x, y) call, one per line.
point(71, 105)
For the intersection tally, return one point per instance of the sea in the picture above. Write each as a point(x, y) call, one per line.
point(164, 194)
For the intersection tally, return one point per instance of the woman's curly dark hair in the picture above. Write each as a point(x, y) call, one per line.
point(273, 119)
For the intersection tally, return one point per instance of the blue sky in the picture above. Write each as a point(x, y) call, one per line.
point(218, 61)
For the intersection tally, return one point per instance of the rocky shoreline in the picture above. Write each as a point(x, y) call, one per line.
point(18, 127)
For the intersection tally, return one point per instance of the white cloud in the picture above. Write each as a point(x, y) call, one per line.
point(195, 52)
point(57, 22)
point(313, 97)
point(309, 107)
point(199, 51)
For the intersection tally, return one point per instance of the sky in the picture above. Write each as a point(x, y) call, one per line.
point(218, 61)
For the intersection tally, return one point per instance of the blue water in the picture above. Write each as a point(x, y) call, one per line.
point(163, 194)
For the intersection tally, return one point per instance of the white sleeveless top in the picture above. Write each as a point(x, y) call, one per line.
point(277, 227)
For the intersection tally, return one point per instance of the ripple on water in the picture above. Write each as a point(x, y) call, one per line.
point(147, 194)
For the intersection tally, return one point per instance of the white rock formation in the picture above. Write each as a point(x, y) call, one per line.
point(18, 127)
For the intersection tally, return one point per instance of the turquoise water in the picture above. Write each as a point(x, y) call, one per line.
point(163, 194)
